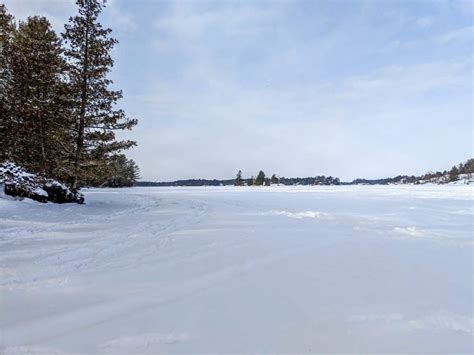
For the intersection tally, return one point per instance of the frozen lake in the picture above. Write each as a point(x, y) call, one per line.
point(275, 269)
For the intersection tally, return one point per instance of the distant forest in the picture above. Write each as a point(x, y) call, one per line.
point(262, 180)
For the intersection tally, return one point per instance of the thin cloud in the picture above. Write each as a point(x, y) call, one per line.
point(465, 34)
point(424, 22)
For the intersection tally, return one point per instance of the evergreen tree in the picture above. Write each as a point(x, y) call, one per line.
point(453, 174)
point(94, 115)
point(274, 179)
point(122, 171)
point(39, 115)
point(7, 30)
point(469, 166)
point(133, 172)
point(238, 179)
point(260, 180)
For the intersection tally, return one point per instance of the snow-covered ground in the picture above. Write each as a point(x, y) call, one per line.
point(249, 270)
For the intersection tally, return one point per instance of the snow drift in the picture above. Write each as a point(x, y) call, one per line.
point(17, 182)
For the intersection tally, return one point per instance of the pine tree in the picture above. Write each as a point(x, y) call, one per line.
point(94, 115)
point(453, 174)
point(238, 179)
point(469, 166)
point(274, 179)
point(133, 172)
point(260, 180)
point(122, 171)
point(7, 30)
point(37, 96)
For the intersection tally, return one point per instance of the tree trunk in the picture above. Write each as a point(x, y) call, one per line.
point(82, 113)
point(43, 152)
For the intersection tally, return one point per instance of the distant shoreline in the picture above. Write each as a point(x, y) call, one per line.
point(464, 179)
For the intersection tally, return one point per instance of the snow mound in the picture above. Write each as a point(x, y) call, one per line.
point(141, 342)
point(301, 215)
point(17, 182)
point(410, 231)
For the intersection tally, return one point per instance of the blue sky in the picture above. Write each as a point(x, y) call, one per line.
point(298, 88)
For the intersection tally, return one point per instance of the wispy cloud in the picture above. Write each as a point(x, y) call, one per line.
point(465, 34)
point(55, 10)
point(186, 19)
point(424, 22)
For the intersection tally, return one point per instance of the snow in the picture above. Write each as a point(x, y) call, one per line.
point(53, 183)
point(382, 269)
point(300, 215)
point(39, 191)
point(15, 181)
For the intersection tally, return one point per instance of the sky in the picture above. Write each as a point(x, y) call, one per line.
point(297, 88)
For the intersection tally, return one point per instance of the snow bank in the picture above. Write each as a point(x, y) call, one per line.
point(17, 182)
point(301, 215)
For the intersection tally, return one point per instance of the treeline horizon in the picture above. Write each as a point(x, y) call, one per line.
point(261, 179)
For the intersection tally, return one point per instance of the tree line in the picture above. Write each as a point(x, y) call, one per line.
point(261, 179)
point(58, 114)
point(436, 177)
point(239, 180)
point(453, 174)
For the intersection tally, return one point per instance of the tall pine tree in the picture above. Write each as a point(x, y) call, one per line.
point(37, 95)
point(94, 117)
point(7, 30)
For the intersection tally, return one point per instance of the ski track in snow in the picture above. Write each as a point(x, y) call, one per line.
point(224, 269)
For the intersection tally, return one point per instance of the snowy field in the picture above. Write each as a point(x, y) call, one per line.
point(384, 269)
